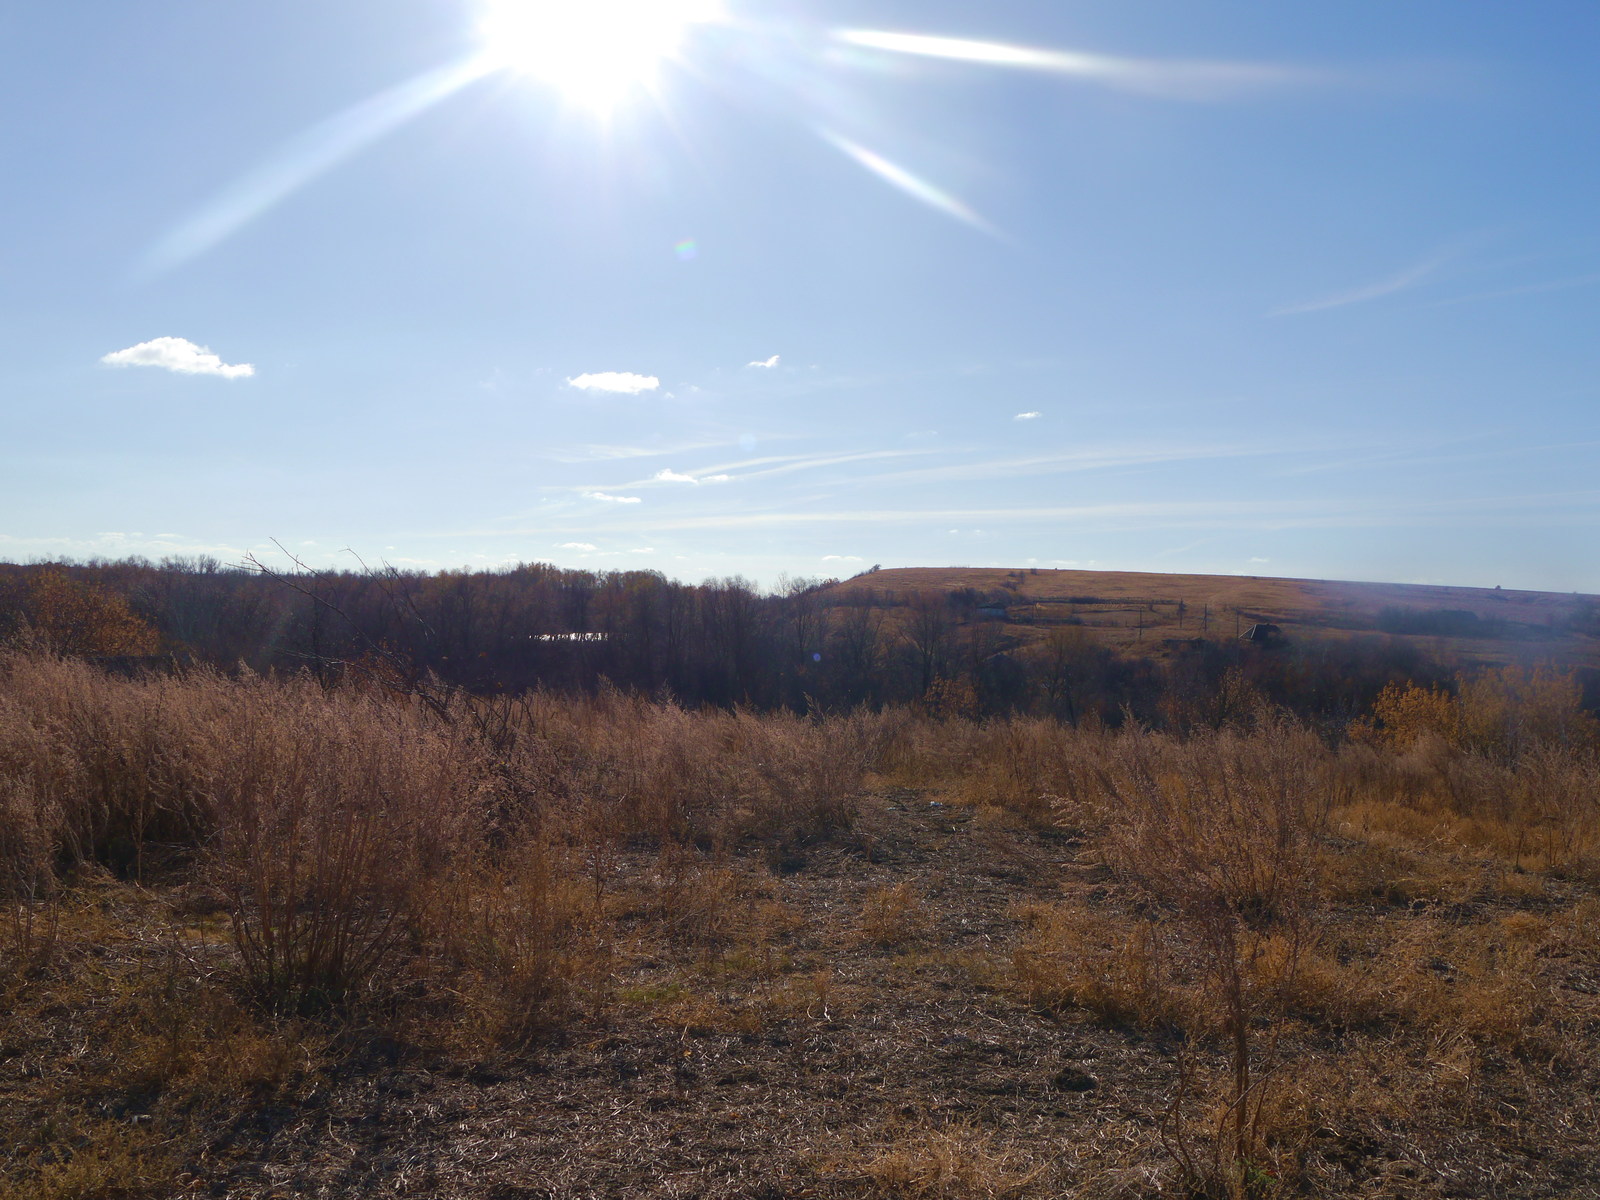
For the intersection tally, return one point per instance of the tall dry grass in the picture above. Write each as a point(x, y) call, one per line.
point(348, 830)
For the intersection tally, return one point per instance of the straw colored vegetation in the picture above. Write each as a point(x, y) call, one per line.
point(268, 937)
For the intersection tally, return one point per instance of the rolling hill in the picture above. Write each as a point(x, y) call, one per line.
point(1157, 613)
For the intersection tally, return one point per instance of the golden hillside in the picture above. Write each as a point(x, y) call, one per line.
point(1145, 610)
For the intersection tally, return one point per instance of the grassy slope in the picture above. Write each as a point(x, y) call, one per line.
point(1531, 625)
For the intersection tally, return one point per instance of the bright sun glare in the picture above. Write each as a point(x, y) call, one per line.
point(592, 51)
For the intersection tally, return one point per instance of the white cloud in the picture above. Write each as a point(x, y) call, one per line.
point(623, 382)
point(586, 547)
point(841, 558)
point(177, 354)
point(1027, 416)
point(768, 363)
point(643, 550)
point(609, 499)
point(668, 475)
point(1260, 560)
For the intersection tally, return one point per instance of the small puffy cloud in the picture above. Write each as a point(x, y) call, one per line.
point(177, 354)
point(766, 363)
point(841, 558)
point(668, 475)
point(624, 383)
point(1027, 416)
point(585, 547)
point(610, 499)
point(642, 550)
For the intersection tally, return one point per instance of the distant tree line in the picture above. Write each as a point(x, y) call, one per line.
point(724, 642)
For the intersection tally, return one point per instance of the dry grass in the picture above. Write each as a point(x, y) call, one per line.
point(953, 1163)
point(1136, 610)
point(1014, 957)
point(894, 916)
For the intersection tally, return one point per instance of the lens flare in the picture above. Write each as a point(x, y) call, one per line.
point(593, 52)
point(312, 154)
point(918, 189)
point(1192, 79)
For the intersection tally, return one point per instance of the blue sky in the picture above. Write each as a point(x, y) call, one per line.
point(1306, 290)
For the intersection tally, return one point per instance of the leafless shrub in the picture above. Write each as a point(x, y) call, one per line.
point(518, 938)
point(332, 817)
point(1219, 834)
point(1102, 962)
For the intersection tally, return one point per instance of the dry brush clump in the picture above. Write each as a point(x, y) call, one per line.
point(335, 819)
point(1219, 835)
point(622, 766)
point(351, 830)
point(105, 768)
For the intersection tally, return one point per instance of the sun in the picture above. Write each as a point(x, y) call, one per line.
point(594, 52)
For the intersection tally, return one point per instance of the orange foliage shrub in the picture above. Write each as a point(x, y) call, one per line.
point(83, 618)
point(1503, 712)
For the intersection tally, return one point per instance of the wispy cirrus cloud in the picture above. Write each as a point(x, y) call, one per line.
point(1388, 286)
point(785, 464)
point(1579, 508)
point(599, 452)
point(1094, 458)
point(752, 468)
point(124, 544)
point(178, 355)
point(1527, 289)
point(624, 383)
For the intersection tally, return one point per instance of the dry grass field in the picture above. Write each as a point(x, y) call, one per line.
point(1136, 612)
point(259, 938)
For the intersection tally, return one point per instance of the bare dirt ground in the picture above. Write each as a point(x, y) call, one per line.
point(832, 1020)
